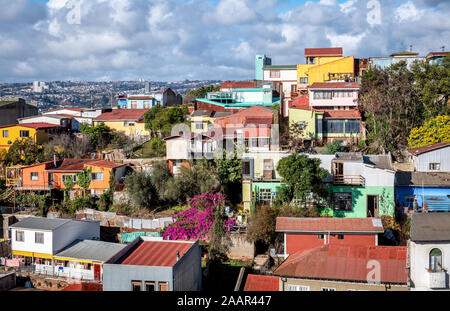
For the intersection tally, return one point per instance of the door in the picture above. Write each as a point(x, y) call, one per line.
point(338, 168)
point(372, 206)
point(97, 273)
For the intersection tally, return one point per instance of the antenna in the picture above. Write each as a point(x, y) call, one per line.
point(443, 48)
point(410, 48)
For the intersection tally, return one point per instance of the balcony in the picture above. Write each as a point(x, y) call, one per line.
point(437, 280)
point(349, 180)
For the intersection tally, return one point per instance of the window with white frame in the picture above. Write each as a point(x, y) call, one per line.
point(303, 80)
point(97, 176)
point(5, 133)
point(39, 238)
point(297, 288)
point(71, 176)
point(34, 176)
point(20, 236)
point(328, 289)
point(198, 125)
point(274, 73)
point(435, 166)
point(265, 196)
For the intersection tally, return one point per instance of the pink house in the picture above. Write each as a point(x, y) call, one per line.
point(334, 95)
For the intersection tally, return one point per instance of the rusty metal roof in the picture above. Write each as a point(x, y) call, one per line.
point(155, 253)
point(323, 51)
point(347, 263)
point(326, 224)
point(417, 151)
point(430, 227)
point(262, 283)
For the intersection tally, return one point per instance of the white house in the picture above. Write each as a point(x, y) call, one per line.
point(433, 158)
point(429, 251)
point(39, 238)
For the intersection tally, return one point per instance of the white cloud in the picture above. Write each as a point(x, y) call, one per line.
point(408, 12)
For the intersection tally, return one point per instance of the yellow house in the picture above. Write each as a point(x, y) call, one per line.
point(38, 132)
point(127, 121)
point(323, 65)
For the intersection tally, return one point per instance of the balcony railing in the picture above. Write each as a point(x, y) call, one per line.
point(352, 180)
point(437, 280)
point(67, 272)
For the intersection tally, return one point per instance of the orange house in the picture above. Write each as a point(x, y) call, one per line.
point(51, 175)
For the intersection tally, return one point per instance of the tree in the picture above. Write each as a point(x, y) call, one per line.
point(100, 135)
point(141, 190)
point(160, 176)
point(229, 172)
point(66, 147)
point(161, 119)
point(200, 177)
point(203, 90)
point(335, 146)
point(432, 84)
point(84, 179)
point(303, 178)
point(292, 137)
point(24, 152)
point(69, 184)
point(390, 108)
point(433, 131)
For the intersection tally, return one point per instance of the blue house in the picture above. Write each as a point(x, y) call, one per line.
point(416, 188)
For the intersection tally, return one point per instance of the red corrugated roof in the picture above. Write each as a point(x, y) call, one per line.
point(156, 253)
point(323, 52)
point(262, 283)
point(238, 85)
point(301, 103)
point(38, 125)
point(84, 287)
point(122, 114)
point(421, 150)
point(335, 85)
point(347, 263)
point(325, 224)
point(253, 115)
point(341, 114)
point(78, 164)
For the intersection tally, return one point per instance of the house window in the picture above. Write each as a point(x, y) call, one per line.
point(265, 196)
point(303, 80)
point(340, 236)
point(73, 177)
point(334, 126)
point(343, 201)
point(323, 94)
point(97, 176)
point(246, 168)
point(321, 236)
point(5, 133)
point(198, 126)
point(328, 289)
point(435, 166)
point(136, 286)
point(20, 237)
point(301, 125)
point(39, 238)
point(163, 286)
point(150, 286)
point(297, 288)
point(24, 133)
point(127, 123)
point(34, 176)
point(352, 127)
point(436, 260)
point(293, 88)
point(274, 73)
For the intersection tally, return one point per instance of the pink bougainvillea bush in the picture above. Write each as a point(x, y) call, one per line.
point(196, 222)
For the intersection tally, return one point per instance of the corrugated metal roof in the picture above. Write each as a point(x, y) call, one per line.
point(262, 283)
point(325, 224)
point(324, 51)
point(155, 253)
point(334, 85)
point(425, 179)
point(347, 263)
point(122, 115)
point(238, 84)
point(91, 250)
point(430, 227)
point(40, 223)
point(417, 151)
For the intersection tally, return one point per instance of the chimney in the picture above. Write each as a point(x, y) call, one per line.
point(54, 159)
point(178, 255)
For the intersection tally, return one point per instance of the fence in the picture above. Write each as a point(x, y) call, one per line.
point(66, 272)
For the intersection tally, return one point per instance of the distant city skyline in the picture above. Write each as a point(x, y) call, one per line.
point(155, 40)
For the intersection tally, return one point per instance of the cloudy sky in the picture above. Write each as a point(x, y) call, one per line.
point(171, 40)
